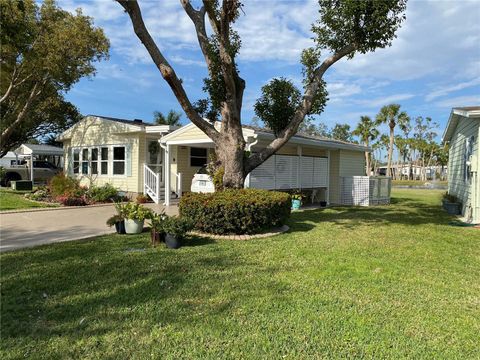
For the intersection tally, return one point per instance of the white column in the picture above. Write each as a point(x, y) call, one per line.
point(299, 167)
point(167, 175)
point(31, 167)
point(328, 178)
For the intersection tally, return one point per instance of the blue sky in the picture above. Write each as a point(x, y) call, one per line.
point(432, 66)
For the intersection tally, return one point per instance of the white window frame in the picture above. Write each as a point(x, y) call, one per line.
point(117, 161)
point(99, 161)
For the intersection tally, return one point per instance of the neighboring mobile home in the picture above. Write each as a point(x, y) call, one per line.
point(159, 160)
point(462, 133)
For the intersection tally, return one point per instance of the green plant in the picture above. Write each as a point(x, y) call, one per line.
point(216, 171)
point(63, 185)
point(41, 194)
point(68, 200)
point(177, 226)
point(104, 193)
point(2, 173)
point(157, 222)
point(134, 211)
point(450, 198)
point(297, 195)
point(243, 211)
point(112, 220)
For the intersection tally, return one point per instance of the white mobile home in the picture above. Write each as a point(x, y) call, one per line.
point(462, 134)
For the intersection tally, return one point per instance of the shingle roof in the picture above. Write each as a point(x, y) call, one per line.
point(136, 122)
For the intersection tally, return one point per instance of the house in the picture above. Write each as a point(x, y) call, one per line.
point(462, 133)
point(161, 160)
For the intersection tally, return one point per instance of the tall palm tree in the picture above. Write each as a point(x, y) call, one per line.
point(392, 116)
point(367, 132)
point(172, 118)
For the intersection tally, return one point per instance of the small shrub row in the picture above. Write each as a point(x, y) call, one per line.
point(244, 211)
point(104, 193)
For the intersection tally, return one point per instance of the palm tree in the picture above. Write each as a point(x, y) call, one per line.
point(366, 131)
point(172, 118)
point(392, 116)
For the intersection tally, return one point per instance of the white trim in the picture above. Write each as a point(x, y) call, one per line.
point(110, 173)
point(327, 195)
point(187, 142)
point(159, 129)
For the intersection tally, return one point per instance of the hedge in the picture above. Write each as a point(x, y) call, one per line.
point(245, 211)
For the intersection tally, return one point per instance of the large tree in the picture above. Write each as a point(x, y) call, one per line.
point(45, 50)
point(344, 28)
point(392, 116)
point(342, 132)
point(367, 132)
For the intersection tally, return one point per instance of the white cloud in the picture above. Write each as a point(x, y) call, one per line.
point(379, 102)
point(338, 91)
point(451, 88)
point(467, 100)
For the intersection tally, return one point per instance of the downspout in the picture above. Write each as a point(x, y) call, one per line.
point(249, 147)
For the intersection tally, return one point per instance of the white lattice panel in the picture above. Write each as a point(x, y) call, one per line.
point(263, 176)
point(320, 172)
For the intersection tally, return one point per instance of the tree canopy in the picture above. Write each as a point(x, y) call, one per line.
point(45, 50)
point(173, 118)
point(344, 28)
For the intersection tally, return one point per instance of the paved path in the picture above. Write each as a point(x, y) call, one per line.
point(32, 228)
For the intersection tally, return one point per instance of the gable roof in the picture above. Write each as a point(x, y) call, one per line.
point(470, 113)
point(38, 149)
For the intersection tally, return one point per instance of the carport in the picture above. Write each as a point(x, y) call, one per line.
point(40, 152)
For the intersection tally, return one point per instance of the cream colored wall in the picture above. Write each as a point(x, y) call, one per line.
point(93, 132)
point(183, 166)
point(192, 133)
point(352, 163)
point(334, 178)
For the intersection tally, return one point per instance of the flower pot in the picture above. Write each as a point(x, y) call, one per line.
point(157, 237)
point(296, 204)
point(120, 227)
point(452, 208)
point(323, 203)
point(133, 226)
point(172, 241)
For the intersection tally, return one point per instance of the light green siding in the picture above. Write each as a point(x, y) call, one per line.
point(458, 185)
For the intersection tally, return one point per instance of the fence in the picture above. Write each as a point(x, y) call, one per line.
point(365, 190)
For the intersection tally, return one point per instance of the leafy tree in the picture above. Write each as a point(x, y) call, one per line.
point(392, 116)
point(366, 131)
point(172, 118)
point(309, 128)
point(342, 132)
point(45, 50)
point(344, 28)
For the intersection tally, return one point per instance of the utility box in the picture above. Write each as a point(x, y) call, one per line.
point(22, 185)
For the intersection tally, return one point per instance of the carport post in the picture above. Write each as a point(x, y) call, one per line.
point(327, 197)
point(31, 167)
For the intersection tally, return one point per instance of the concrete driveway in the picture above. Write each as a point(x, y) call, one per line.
point(45, 226)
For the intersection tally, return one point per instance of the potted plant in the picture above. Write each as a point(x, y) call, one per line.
point(451, 204)
point(135, 215)
point(323, 203)
point(175, 229)
point(157, 228)
point(117, 221)
point(297, 197)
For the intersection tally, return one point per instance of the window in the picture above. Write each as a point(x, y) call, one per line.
point(104, 162)
point(198, 157)
point(467, 157)
point(119, 160)
point(84, 161)
point(76, 160)
point(94, 162)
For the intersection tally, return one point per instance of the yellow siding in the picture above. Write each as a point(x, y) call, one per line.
point(94, 132)
point(352, 163)
point(193, 133)
point(334, 177)
point(183, 166)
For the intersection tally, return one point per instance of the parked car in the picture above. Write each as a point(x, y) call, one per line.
point(42, 172)
point(202, 182)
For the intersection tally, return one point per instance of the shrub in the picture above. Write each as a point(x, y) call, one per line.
point(67, 200)
point(176, 226)
point(142, 199)
point(65, 186)
point(41, 194)
point(2, 173)
point(134, 211)
point(245, 211)
point(104, 193)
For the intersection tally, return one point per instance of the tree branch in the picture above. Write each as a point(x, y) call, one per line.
point(133, 10)
point(303, 109)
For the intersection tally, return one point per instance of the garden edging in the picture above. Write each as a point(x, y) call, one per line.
point(272, 232)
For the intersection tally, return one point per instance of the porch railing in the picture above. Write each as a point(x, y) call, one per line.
point(151, 183)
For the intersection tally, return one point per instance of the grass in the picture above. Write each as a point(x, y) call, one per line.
point(15, 200)
point(417, 182)
point(383, 282)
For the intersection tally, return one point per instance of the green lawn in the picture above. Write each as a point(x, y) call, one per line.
point(417, 182)
point(386, 282)
point(15, 200)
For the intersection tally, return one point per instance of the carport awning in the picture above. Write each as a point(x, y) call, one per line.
point(35, 149)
